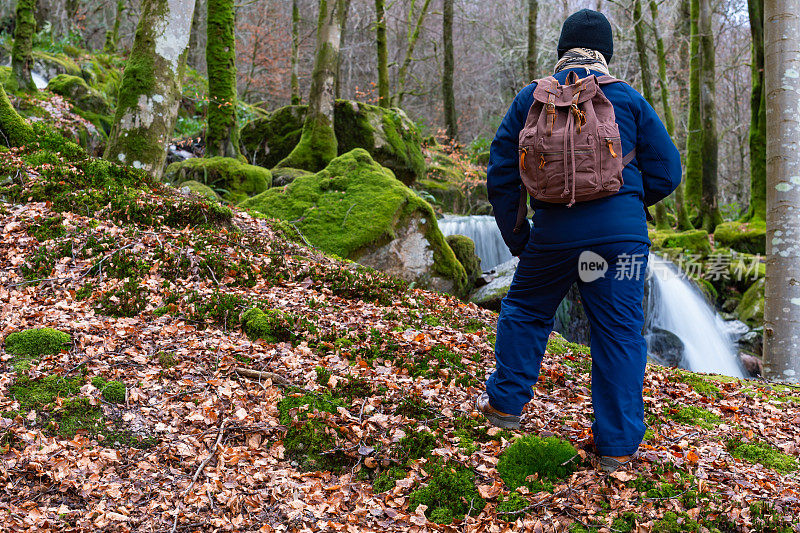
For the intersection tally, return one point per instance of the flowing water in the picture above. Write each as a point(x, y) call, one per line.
point(675, 309)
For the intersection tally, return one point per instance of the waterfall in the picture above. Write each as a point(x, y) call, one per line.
point(675, 308)
point(482, 229)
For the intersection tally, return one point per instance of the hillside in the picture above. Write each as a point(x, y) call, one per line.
point(216, 373)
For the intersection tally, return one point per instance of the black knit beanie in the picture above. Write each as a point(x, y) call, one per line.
point(587, 29)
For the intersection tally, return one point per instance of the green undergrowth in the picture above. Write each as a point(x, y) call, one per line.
point(700, 384)
point(537, 463)
point(449, 494)
point(762, 453)
point(691, 414)
point(61, 410)
point(129, 299)
point(388, 479)
point(28, 345)
point(112, 391)
point(511, 507)
point(272, 325)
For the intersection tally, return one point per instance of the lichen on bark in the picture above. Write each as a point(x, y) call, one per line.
point(148, 99)
point(222, 134)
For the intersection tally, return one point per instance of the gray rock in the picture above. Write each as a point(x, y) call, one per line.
point(752, 364)
point(664, 347)
point(736, 329)
point(752, 341)
point(500, 278)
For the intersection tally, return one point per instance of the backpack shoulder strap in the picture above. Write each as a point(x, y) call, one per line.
point(607, 80)
point(627, 158)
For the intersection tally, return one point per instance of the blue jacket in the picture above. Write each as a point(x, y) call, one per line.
point(651, 176)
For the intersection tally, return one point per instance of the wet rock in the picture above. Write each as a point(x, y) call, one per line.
point(736, 329)
point(499, 280)
point(752, 364)
point(664, 347)
point(752, 341)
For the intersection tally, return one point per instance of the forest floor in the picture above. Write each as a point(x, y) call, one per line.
point(367, 386)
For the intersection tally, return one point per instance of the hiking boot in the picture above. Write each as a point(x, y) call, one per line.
point(495, 417)
point(610, 464)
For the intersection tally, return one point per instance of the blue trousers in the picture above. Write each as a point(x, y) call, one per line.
point(613, 305)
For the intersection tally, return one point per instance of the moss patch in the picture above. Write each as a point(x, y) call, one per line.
point(309, 440)
point(271, 325)
point(693, 241)
point(449, 494)
point(700, 384)
point(76, 90)
point(200, 189)
point(233, 180)
point(751, 306)
point(694, 415)
point(15, 131)
point(464, 249)
point(762, 453)
point(747, 237)
point(37, 342)
point(112, 391)
point(547, 460)
point(511, 507)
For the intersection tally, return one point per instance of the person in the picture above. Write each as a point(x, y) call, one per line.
point(612, 230)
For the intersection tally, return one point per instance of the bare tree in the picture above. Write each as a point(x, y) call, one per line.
point(533, 15)
point(782, 299)
point(383, 54)
point(448, 93)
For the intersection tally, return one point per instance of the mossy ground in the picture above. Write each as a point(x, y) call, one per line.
point(230, 178)
point(30, 344)
point(762, 453)
point(537, 462)
point(449, 494)
point(747, 237)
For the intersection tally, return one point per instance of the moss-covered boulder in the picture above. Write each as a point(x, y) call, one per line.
point(694, 241)
point(448, 196)
point(195, 187)
point(464, 248)
point(82, 96)
point(751, 308)
point(14, 130)
point(748, 237)
point(284, 175)
point(390, 137)
point(51, 65)
point(357, 209)
point(235, 180)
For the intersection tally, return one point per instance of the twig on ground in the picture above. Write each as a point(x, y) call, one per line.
point(261, 374)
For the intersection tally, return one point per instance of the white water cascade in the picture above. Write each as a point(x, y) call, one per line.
point(674, 304)
point(482, 229)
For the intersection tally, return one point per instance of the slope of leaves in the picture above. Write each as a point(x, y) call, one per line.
point(363, 398)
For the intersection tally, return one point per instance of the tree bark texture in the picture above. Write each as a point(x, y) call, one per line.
point(222, 131)
point(383, 53)
point(782, 82)
point(708, 93)
point(413, 37)
point(694, 135)
point(317, 145)
point(533, 15)
point(22, 50)
point(758, 115)
point(295, 53)
point(147, 103)
point(448, 96)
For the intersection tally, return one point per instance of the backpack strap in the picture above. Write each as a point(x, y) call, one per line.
point(605, 79)
point(522, 209)
point(627, 158)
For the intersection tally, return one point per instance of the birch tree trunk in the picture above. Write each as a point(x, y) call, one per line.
point(317, 145)
point(448, 96)
point(758, 115)
point(533, 15)
point(150, 91)
point(295, 53)
point(694, 135)
point(708, 94)
point(413, 37)
point(222, 131)
point(383, 53)
point(782, 299)
point(21, 51)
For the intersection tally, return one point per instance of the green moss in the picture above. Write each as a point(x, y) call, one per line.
point(222, 134)
point(558, 345)
point(417, 444)
point(22, 50)
point(464, 249)
point(47, 228)
point(80, 94)
point(112, 391)
point(86, 291)
point(14, 131)
point(762, 453)
point(37, 342)
point(673, 523)
point(56, 63)
point(199, 189)
point(511, 508)
point(748, 237)
point(234, 180)
point(694, 415)
point(449, 494)
point(693, 241)
point(700, 384)
point(309, 441)
point(447, 195)
point(270, 325)
point(388, 479)
point(414, 407)
point(127, 300)
point(751, 306)
point(549, 459)
point(167, 360)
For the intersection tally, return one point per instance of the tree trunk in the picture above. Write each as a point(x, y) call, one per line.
point(150, 91)
point(112, 36)
point(413, 37)
point(448, 96)
point(222, 131)
point(342, 37)
point(197, 50)
point(682, 30)
point(708, 93)
point(14, 131)
point(317, 144)
point(641, 48)
point(694, 135)
point(54, 12)
point(782, 87)
point(533, 14)
point(295, 53)
point(22, 50)
point(758, 115)
point(383, 54)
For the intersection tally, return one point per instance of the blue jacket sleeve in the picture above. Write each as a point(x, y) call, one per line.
point(658, 159)
point(502, 177)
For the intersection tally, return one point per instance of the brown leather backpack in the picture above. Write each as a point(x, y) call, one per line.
point(570, 148)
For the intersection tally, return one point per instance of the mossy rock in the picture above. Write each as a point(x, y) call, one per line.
point(199, 189)
point(751, 307)
point(80, 94)
point(357, 209)
point(37, 342)
point(282, 176)
point(235, 180)
point(747, 237)
point(270, 325)
point(51, 65)
point(388, 135)
point(449, 196)
point(694, 241)
point(464, 248)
